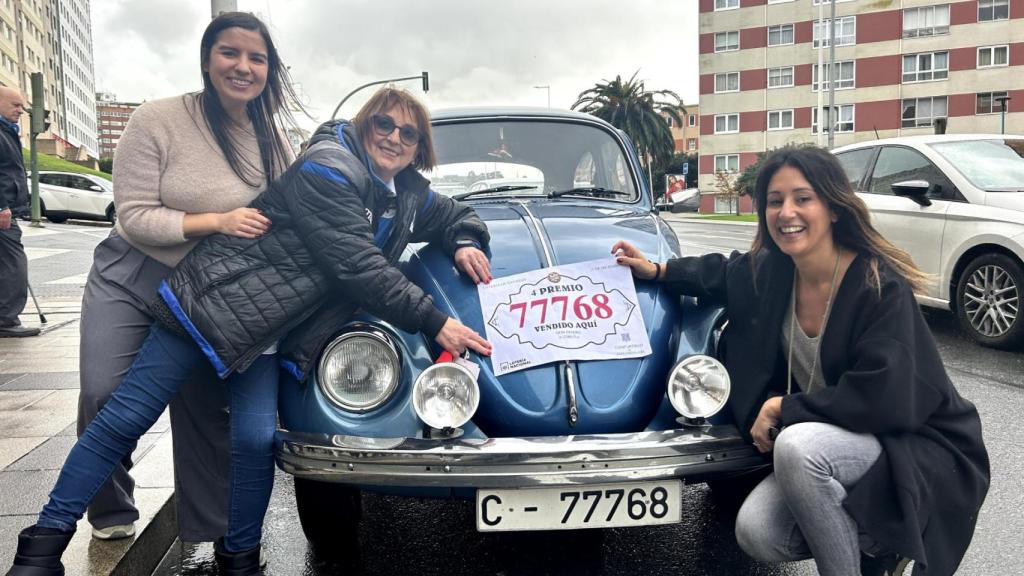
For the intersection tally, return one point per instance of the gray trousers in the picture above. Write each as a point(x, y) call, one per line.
point(797, 512)
point(115, 321)
point(13, 275)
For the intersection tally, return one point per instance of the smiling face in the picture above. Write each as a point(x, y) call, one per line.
point(798, 220)
point(237, 66)
point(387, 152)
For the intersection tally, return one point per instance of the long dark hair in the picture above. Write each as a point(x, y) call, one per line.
point(264, 112)
point(852, 229)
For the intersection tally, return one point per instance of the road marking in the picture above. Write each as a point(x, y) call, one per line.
point(33, 253)
point(76, 279)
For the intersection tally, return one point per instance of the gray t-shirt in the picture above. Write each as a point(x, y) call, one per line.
point(804, 349)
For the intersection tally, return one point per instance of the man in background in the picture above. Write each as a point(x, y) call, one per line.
point(13, 203)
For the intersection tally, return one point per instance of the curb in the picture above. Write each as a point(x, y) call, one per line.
point(151, 545)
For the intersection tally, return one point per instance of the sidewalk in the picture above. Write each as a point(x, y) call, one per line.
point(38, 410)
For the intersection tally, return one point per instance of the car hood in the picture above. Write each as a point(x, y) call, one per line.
point(612, 395)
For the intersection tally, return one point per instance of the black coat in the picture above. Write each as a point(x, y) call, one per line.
point(317, 264)
point(883, 376)
point(13, 182)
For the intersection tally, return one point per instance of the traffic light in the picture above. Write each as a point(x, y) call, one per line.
point(40, 121)
point(40, 115)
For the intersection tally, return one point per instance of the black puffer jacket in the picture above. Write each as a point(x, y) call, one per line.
point(236, 297)
point(13, 183)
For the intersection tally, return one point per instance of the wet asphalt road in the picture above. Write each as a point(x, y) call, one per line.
point(406, 536)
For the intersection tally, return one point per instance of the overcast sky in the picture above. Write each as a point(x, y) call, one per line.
point(478, 52)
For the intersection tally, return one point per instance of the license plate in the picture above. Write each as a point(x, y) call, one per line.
point(573, 507)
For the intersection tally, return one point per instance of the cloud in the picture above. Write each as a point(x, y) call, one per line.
point(478, 52)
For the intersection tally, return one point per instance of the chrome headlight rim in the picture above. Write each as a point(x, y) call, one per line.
point(427, 372)
point(392, 354)
point(699, 361)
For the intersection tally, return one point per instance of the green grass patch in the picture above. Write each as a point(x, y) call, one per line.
point(47, 162)
point(729, 217)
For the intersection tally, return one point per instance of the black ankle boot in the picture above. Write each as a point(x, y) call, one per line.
point(39, 552)
point(245, 563)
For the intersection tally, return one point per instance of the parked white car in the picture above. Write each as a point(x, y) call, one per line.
point(64, 195)
point(955, 202)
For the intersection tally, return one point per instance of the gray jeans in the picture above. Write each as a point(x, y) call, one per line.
point(797, 512)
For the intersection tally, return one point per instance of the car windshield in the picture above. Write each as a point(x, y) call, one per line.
point(530, 158)
point(995, 165)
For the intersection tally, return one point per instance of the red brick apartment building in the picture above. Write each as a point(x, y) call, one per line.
point(899, 65)
point(113, 117)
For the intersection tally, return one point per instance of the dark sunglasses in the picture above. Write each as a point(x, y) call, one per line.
point(383, 125)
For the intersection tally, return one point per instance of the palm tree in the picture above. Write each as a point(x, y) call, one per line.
point(638, 112)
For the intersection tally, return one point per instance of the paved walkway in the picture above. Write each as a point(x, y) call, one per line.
point(38, 409)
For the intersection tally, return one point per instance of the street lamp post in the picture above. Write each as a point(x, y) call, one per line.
point(1002, 117)
point(548, 88)
point(423, 76)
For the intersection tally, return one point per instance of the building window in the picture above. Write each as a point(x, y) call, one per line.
point(727, 163)
point(919, 112)
point(926, 21)
point(780, 77)
point(845, 76)
point(727, 41)
point(725, 204)
point(988, 102)
point(993, 56)
point(691, 143)
point(845, 32)
point(778, 1)
point(781, 34)
point(726, 4)
point(926, 67)
point(728, 82)
point(989, 10)
point(691, 120)
point(816, 2)
point(780, 119)
point(727, 123)
point(843, 115)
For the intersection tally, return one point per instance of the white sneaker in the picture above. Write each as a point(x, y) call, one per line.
point(116, 532)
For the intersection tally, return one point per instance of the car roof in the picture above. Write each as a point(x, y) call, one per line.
point(927, 139)
point(471, 112)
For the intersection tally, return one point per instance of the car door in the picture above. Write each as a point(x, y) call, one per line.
point(910, 226)
point(54, 192)
point(87, 197)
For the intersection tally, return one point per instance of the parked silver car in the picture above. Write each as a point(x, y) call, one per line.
point(64, 195)
point(955, 202)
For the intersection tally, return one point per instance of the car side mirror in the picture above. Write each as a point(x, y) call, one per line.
point(916, 190)
point(95, 188)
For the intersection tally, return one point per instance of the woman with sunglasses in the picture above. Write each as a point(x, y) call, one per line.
point(342, 214)
point(879, 459)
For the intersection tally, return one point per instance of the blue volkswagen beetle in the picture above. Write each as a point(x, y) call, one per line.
point(573, 444)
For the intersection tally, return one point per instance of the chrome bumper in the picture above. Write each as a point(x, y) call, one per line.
point(515, 462)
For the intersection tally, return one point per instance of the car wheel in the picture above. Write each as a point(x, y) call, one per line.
point(112, 215)
point(988, 301)
point(53, 217)
point(329, 514)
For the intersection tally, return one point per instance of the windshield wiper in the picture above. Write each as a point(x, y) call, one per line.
point(465, 195)
point(588, 191)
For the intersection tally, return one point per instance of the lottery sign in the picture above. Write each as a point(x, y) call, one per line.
point(585, 311)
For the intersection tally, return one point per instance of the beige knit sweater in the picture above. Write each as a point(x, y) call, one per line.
point(168, 164)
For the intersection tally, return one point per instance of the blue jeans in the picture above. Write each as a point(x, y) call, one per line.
point(162, 365)
point(797, 512)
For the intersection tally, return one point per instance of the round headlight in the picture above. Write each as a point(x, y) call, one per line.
point(445, 395)
point(698, 386)
point(359, 371)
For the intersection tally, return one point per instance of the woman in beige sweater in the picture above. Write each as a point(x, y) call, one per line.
point(185, 167)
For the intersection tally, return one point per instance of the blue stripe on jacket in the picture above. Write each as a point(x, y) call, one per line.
point(324, 172)
point(204, 345)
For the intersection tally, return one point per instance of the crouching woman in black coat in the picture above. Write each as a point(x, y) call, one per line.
point(341, 216)
point(879, 459)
